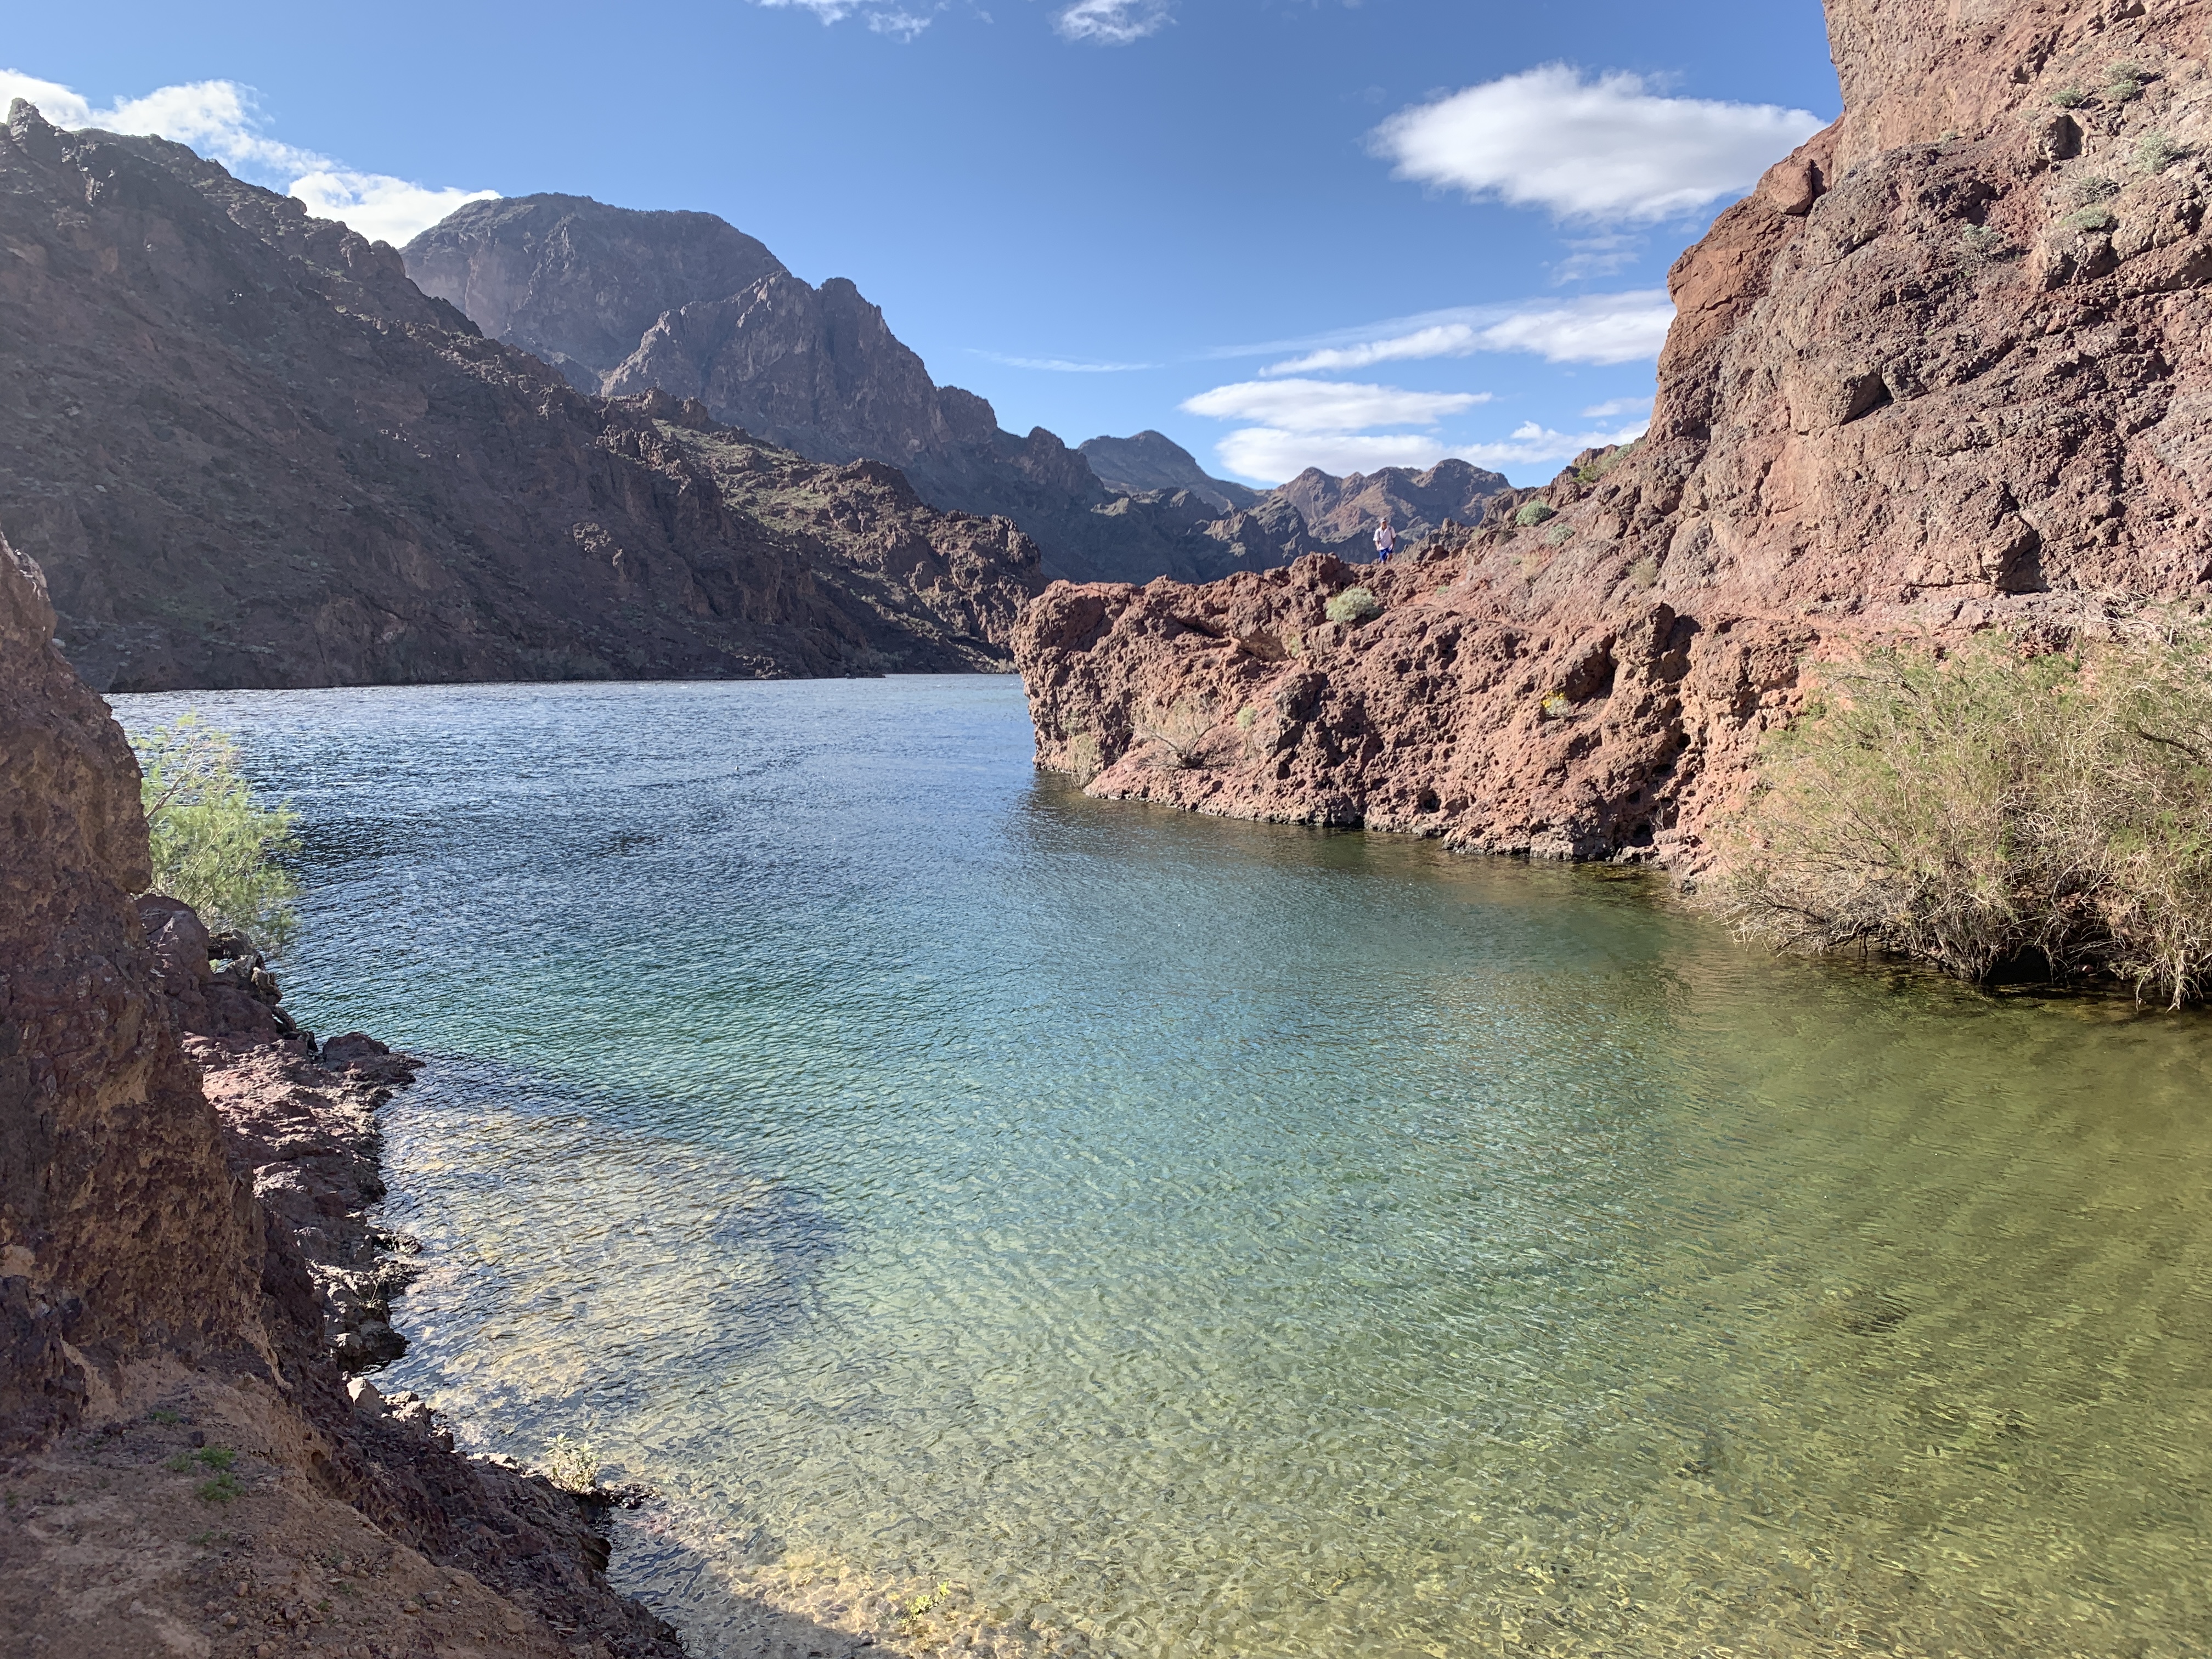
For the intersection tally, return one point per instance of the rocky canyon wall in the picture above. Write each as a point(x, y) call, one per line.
point(247, 450)
point(1949, 369)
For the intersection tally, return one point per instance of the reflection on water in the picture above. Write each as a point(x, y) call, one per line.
point(1186, 1237)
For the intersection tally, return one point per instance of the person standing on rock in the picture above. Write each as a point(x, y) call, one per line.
point(1386, 542)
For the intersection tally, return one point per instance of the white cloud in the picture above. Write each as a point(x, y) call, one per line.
point(1112, 22)
point(1605, 150)
point(381, 207)
point(221, 119)
point(1600, 328)
point(1617, 406)
point(1608, 328)
point(1338, 406)
point(1532, 444)
point(904, 24)
point(1271, 455)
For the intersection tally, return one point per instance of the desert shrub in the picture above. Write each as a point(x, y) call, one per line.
point(1981, 245)
point(1558, 535)
point(572, 1465)
point(2157, 151)
point(214, 846)
point(1984, 812)
point(2090, 219)
point(2125, 85)
point(2069, 97)
point(1643, 572)
point(1534, 513)
point(1556, 706)
point(1354, 606)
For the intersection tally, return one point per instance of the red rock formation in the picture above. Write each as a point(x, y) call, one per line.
point(122, 1232)
point(1949, 368)
point(139, 1269)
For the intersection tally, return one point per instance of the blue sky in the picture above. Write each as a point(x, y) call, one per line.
point(1280, 233)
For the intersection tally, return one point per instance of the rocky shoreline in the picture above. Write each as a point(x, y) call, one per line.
point(188, 1271)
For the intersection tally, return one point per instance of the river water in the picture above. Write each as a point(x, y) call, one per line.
point(1181, 1237)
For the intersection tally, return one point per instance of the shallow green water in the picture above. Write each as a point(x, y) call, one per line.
point(1205, 1238)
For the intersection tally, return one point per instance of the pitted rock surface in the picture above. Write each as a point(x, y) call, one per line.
point(1948, 369)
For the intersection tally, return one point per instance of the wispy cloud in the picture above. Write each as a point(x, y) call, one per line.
point(1329, 406)
point(1614, 407)
point(1604, 150)
point(1064, 364)
point(1532, 444)
point(1112, 22)
point(1600, 328)
point(893, 20)
point(222, 120)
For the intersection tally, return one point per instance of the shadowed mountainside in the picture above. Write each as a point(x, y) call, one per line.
point(248, 451)
point(819, 371)
point(1946, 370)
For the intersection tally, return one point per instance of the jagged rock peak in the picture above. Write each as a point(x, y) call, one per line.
point(1153, 460)
point(576, 281)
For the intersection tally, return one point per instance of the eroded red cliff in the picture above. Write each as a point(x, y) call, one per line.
point(1949, 369)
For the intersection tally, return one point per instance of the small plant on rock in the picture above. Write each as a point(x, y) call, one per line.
point(1558, 535)
point(1981, 245)
point(2069, 97)
point(1556, 706)
point(1643, 573)
point(1533, 513)
point(2157, 152)
point(1354, 606)
point(2090, 219)
point(2126, 84)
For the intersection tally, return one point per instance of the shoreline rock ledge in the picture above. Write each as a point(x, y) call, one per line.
point(1948, 369)
point(187, 1273)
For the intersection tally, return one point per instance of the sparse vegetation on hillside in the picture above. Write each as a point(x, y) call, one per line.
point(214, 846)
point(1989, 815)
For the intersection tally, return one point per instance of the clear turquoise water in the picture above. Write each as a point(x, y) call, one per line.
point(1193, 1237)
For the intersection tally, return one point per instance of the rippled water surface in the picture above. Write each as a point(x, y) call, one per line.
point(1191, 1237)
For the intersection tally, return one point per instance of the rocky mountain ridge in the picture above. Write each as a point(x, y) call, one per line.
point(1944, 371)
point(248, 451)
point(819, 371)
point(1153, 460)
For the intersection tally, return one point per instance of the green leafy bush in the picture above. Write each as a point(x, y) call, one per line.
point(2090, 219)
point(1354, 606)
point(214, 847)
point(2069, 97)
point(1534, 513)
point(1984, 812)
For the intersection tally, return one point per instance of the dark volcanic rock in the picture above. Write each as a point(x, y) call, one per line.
point(248, 451)
point(1949, 369)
